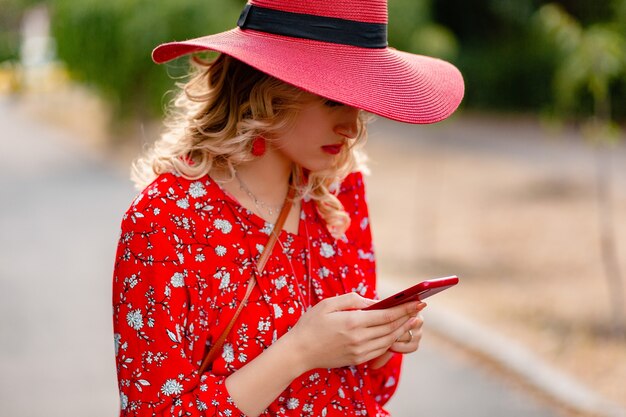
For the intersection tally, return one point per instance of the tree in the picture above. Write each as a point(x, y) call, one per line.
point(593, 61)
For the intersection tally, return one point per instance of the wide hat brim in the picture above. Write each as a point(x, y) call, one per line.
point(397, 85)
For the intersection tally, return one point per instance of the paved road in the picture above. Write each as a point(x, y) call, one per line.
point(59, 214)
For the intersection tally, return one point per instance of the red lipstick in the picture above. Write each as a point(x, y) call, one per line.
point(333, 149)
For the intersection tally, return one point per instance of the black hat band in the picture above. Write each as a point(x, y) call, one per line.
point(313, 27)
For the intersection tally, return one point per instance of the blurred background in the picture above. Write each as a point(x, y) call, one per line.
point(522, 193)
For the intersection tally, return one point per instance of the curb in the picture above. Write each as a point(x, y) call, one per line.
point(513, 357)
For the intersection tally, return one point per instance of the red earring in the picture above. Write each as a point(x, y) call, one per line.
point(258, 146)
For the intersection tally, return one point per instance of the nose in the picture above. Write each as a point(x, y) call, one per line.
point(347, 125)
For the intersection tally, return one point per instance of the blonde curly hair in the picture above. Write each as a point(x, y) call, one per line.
point(217, 114)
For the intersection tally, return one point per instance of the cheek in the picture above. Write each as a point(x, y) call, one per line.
point(301, 144)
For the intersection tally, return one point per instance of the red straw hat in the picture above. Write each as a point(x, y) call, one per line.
point(336, 49)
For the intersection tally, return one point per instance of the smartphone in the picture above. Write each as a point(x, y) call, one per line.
point(417, 292)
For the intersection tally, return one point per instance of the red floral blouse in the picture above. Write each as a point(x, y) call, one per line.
point(185, 254)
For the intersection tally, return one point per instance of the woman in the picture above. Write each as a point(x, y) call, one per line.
point(261, 159)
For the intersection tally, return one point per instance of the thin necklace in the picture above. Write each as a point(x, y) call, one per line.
point(272, 210)
point(305, 303)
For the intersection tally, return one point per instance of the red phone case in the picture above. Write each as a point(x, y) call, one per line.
point(417, 292)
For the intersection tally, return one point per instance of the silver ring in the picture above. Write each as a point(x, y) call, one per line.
point(410, 336)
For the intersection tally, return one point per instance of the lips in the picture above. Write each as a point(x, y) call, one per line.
point(333, 149)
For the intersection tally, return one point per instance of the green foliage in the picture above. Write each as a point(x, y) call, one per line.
point(509, 64)
point(592, 60)
point(108, 44)
point(10, 15)
point(506, 65)
point(506, 62)
point(412, 29)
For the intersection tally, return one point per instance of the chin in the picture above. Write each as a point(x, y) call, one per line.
point(318, 167)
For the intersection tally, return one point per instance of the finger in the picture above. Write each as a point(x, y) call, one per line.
point(404, 348)
point(372, 318)
point(348, 301)
point(380, 361)
point(395, 347)
point(408, 344)
point(386, 341)
point(382, 330)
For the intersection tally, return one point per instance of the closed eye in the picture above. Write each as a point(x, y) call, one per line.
point(332, 103)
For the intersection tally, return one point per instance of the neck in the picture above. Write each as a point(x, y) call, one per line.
point(267, 176)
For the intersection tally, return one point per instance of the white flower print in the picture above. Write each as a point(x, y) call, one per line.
point(200, 232)
point(117, 339)
point(196, 189)
point(278, 312)
point(361, 289)
point(323, 272)
point(267, 228)
point(137, 200)
point(292, 403)
point(178, 280)
point(223, 225)
point(228, 354)
point(172, 387)
point(183, 203)
point(135, 319)
point(327, 250)
point(123, 401)
point(280, 282)
point(264, 325)
point(131, 280)
point(366, 255)
point(201, 406)
point(220, 250)
point(225, 282)
point(259, 247)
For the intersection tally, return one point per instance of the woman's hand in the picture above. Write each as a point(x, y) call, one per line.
point(336, 333)
point(408, 343)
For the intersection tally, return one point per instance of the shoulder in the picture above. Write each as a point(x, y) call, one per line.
point(171, 196)
point(168, 189)
point(352, 196)
point(352, 192)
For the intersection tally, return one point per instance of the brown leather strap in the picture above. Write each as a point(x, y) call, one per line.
point(265, 255)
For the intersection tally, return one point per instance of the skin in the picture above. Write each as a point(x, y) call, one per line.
point(335, 332)
point(318, 124)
